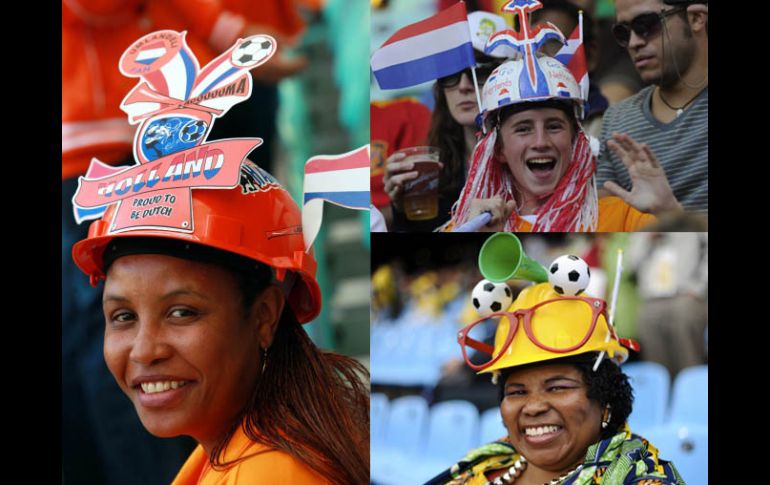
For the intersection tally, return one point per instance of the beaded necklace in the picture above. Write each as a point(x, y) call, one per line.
point(518, 468)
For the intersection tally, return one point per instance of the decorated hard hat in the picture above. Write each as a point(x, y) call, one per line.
point(186, 188)
point(258, 220)
point(531, 80)
point(558, 327)
point(528, 76)
point(510, 84)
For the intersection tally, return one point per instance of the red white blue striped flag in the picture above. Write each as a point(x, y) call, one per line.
point(340, 179)
point(573, 56)
point(429, 49)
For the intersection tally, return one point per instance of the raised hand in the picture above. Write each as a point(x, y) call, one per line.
point(650, 191)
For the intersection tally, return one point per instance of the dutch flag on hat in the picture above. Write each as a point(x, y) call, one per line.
point(573, 56)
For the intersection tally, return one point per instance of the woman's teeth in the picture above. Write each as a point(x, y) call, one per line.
point(541, 430)
point(153, 387)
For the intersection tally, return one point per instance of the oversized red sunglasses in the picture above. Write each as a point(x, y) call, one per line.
point(532, 327)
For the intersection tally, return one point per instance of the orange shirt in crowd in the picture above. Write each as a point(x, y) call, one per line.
point(280, 16)
point(94, 35)
point(260, 466)
point(614, 216)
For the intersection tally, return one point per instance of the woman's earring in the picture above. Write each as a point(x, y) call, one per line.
point(264, 359)
point(607, 416)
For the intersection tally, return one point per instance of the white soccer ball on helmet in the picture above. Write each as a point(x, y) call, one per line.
point(491, 297)
point(569, 275)
point(253, 51)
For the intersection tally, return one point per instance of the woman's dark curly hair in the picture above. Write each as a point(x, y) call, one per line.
point(608, 385)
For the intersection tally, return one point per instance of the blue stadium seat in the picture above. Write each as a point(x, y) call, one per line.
point(378, 422)
point(404, 439)
point(651, 384)
point(408, 417)
point(453, 428)
point(689, 400)
point(492, 427)
point(406, 359)
point(686, 446)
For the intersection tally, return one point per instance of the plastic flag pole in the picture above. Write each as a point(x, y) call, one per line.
point(475, 224)
point(478, 97)
point(616, 286)
point(613, 302)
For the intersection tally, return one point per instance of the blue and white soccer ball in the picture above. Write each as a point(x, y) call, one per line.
point(192, 131)
point(491, 297)
point(252, 50)
point(569, 275)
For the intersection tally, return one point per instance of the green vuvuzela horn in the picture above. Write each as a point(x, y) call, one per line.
point(502, 258)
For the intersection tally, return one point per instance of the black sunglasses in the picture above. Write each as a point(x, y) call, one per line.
point(646, 26)
point(483, 72)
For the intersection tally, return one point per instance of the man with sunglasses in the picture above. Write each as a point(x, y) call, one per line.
point(661, 133)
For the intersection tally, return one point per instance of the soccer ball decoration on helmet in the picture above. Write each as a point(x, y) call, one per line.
point(569, 275)
point(489, 297)
point(253, 50)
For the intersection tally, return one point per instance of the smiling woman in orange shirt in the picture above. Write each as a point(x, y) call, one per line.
point(203, 333)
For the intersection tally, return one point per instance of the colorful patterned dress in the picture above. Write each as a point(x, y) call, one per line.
point(624, 458)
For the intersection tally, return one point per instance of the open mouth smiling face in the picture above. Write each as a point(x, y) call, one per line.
point(536, 144)
point(548, 414)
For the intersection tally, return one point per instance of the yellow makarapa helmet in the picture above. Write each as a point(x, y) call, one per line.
point(566, 322)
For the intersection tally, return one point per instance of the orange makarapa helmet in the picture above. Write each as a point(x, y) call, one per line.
point(257, 219)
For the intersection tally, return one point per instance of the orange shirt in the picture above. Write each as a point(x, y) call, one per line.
point(280, 15)
point(614, 216)
point(266, 467)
